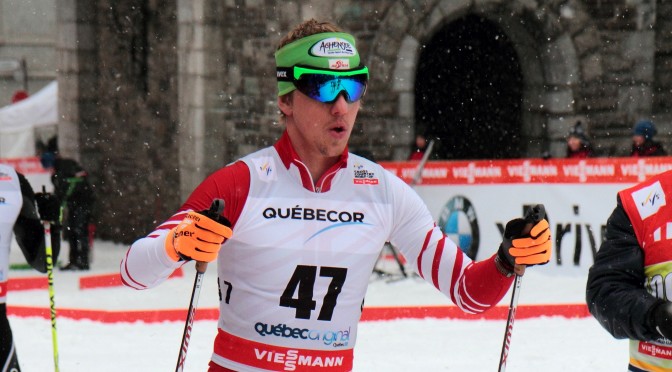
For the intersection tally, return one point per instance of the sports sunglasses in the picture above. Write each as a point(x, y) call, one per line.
point(326, 85)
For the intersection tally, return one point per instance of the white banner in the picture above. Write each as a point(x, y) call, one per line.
point(474, 216)
point(473, 200)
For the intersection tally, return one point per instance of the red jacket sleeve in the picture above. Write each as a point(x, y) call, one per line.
point(231, 183)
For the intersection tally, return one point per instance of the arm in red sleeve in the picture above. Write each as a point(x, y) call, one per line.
point(147, 263)
point(484, 283)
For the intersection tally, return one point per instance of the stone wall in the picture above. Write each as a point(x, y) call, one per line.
point(662, 87)
point(118, 102)
point(28, 33)
point(622, 91)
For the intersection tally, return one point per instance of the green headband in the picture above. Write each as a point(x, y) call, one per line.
point(327, 50)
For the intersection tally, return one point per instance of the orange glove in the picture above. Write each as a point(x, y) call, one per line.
point(197, 237)
point(527, 241)
point(535, 249)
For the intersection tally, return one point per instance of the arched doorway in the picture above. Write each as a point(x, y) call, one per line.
point(468, 91)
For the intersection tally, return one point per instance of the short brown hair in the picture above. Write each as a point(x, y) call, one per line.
point(307, 28)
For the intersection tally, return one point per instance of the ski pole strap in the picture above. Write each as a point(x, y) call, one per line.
point(72, 183)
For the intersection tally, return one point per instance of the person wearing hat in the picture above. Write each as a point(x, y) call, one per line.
point(306, 221)
point(75, 194)
point(418, 147)
point(642, 140)
point(578, 144)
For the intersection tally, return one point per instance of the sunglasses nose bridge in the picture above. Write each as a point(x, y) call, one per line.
point(344, 93)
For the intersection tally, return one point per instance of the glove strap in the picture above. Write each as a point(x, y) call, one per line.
point(503, 268)
point(170, 248)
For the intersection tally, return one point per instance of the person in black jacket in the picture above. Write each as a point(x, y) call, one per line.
point(643, 143)
point(578, 144)
point(628, 288)
point(73, 190)
point(18, 217)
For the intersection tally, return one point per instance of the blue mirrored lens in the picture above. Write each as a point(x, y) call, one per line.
point(327, 88)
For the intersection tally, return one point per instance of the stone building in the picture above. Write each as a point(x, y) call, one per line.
point(156, 94)
point(27, 46)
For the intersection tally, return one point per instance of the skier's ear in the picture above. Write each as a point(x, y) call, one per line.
point(285, 104)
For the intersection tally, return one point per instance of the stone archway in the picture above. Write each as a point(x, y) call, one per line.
point(469, 91)
point(551, 60)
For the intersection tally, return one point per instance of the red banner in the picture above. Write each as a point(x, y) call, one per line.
point(29, 165)
point(594, 170)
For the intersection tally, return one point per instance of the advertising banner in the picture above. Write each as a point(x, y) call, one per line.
point(32, 169)
point(472, 200)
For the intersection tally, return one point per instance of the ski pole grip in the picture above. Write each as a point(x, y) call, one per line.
point(533, 215)
point(216, 209)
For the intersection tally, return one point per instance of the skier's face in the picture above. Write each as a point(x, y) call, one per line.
point(574, 143)
point(316, 128)
point(638, 140)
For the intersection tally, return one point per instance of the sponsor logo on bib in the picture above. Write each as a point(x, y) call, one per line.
point(649, 200)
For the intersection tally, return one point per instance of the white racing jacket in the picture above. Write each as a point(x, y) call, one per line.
point(295, 272)
point(10, 207)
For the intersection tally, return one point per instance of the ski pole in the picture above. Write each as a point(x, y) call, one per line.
point(216, 209)
point(533, 215)
point(509, 323)
point(50, 280)
point(417, 176)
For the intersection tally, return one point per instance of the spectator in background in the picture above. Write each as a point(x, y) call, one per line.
point(578, 144)
point(419, 147)
point(72, 188)
point(18, 215)
point(642, 140)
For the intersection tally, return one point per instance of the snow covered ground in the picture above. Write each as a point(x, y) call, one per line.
point(542, 344)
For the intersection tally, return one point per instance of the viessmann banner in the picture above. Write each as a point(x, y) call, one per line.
point(472, 200)
point(31, 168)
